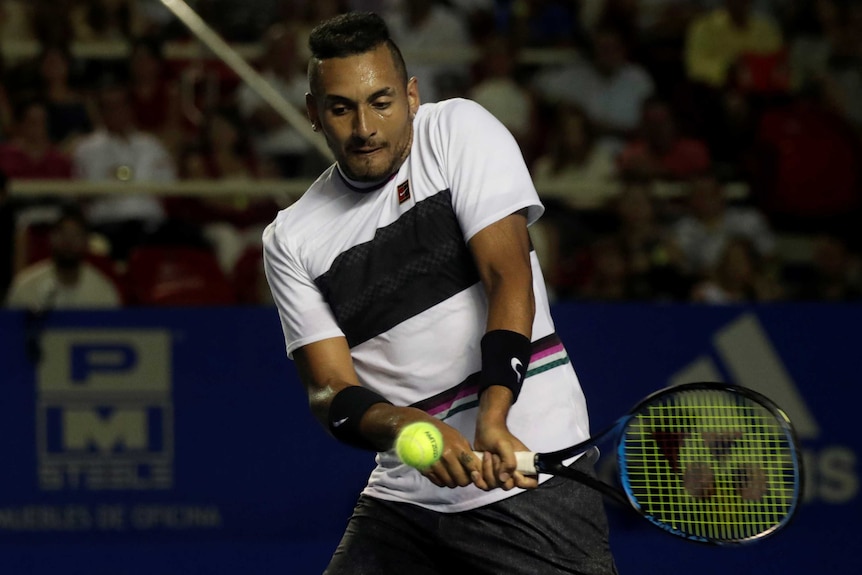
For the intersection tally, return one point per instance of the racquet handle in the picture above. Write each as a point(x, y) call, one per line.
point(526, 461)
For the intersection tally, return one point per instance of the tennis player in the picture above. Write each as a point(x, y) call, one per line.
point(408, 291)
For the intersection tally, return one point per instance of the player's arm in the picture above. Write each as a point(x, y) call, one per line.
point(335, 397)
point(502, 255)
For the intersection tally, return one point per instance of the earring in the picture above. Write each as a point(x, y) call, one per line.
point(314, 126)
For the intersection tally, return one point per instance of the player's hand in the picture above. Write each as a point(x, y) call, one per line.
point(458, 466)
point(499, 466)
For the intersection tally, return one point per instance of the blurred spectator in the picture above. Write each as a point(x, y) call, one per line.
point(716, 41)
point(421, 28)
point(29, 153)
point(69, 116)
point(154, 95)
point(710, 224)
point(655, 264)
point(609, 87)
point(67, 279)
point(541, 23)
point(665, 19)
point(7, 236)
point(500, 92)
point(815, 34)
point(51, 23)
point(841, 79)
point(224, 150)
point(274, 139)
point(573, 155)
point(806, 168)
point(5, 105)
point(156, 18)
point(244, 21)
point(622, 15)
point(835, 273)
point(660, 27)
point(16, 23)
point(607, 278)
point(312, 13)
point(118, 152)
point(739, 275)
point(659, 151)
point(229, 223)
point(105, 20)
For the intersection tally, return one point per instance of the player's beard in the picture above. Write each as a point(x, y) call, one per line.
point(376, 168)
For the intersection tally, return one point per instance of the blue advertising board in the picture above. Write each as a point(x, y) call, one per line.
point(179, 441)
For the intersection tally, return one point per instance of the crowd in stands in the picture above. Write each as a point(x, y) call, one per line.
point(704, 95)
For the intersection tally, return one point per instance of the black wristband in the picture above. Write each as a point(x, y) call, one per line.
point(346, 411)
point(505, 357)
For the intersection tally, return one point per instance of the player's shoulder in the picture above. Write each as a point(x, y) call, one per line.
point(300, 217)
point(34, 273)
point(93, 142)
point(454, 117)
point(459, 108)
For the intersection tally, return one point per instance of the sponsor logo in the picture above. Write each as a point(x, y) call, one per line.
point(518, 368)
point(744, 352)
point(104, 411)
point(403, 191)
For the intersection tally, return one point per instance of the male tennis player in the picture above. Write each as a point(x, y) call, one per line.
point(408, 291)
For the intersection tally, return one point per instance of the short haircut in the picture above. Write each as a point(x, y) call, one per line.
point(21, 107)
point(70, 212)
point(348, 35)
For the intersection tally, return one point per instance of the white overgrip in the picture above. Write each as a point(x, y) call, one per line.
point(526, 461)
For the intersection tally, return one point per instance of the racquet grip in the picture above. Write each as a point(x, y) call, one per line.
point(526, 461)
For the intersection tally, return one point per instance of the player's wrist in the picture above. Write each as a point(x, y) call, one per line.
point(505, 357)
point(348, 409)
point(494, 406)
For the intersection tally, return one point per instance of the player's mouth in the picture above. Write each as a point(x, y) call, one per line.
point(366, 150)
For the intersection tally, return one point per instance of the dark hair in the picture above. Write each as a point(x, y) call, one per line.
point(351, 34)
point(23, 104)
point(70, 212)
point(149, 43)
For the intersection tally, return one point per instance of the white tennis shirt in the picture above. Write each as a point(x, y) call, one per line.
point(388, 268)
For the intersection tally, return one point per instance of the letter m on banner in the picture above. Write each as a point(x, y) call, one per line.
point(105, 411)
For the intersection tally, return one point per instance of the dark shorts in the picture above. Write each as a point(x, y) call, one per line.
point(557, 528)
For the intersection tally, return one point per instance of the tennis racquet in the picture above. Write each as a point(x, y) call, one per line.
point(710, 462)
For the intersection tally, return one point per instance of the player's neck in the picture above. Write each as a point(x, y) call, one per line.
point(363, 187)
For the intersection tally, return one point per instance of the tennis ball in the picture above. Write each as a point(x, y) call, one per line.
point(419, 445)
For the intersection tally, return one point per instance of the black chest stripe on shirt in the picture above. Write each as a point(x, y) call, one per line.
point(411, 265)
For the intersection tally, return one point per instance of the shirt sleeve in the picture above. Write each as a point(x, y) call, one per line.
point(484, 168)
point(305, 315)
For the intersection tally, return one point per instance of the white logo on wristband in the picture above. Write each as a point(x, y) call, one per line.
point(518, 368)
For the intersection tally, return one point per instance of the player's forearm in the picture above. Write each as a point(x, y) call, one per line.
point(382, 422)
point(511, 308)
point(511, 305)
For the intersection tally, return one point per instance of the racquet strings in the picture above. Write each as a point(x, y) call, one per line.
point(711, 464)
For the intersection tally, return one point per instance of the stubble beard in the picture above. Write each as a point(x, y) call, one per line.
point(365, 170)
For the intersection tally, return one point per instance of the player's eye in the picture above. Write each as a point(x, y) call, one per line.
point(338, 110)
point(382, 104)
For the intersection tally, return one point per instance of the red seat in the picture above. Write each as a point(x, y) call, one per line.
point(808, 163)
point(177, 276)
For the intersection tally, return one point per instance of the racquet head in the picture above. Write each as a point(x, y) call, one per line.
point(711, 462)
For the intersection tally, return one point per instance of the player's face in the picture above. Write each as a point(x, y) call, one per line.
point(366, 113)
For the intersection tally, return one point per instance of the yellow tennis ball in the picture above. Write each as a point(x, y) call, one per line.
point(419, 445)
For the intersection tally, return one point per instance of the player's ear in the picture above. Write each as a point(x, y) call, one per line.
point(413, 101)
point(311, 111)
